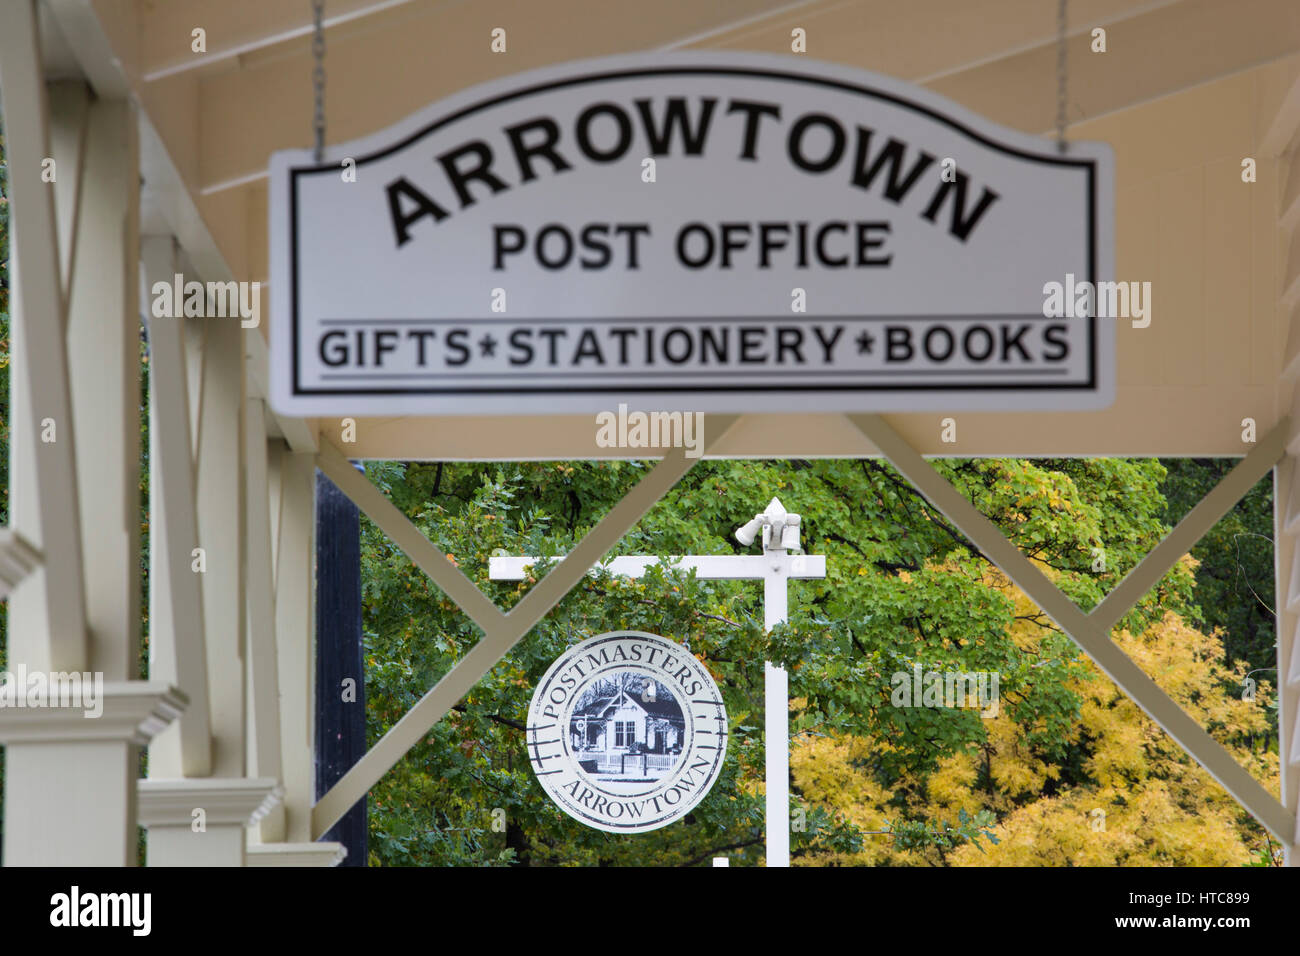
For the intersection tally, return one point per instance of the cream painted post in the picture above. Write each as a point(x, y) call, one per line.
point(295, 637)
point(70, 779)
point(294, 478)
point(177, 651)
point(53, 816)
point(202, 821)
point(221, 503)
point(264, 704)
point(1286, 560)
point(47, 622)
point(1282, 205)
point(104, 363)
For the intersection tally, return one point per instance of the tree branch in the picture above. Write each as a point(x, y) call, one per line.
point(496, 718)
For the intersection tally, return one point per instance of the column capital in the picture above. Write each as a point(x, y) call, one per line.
point(295, 854)
point(224, 800)
point(131, 711)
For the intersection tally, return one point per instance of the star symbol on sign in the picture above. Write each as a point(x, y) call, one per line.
point(487, 346)
point(865, 343)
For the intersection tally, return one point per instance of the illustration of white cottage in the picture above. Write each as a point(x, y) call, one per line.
point(628, 723)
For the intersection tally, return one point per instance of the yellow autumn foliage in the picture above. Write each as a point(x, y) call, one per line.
point(1147, 802)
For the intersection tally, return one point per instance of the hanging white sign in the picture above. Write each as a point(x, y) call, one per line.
point(693, 231)
point(627, 732)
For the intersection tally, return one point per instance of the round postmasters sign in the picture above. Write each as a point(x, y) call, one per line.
point(627, 732)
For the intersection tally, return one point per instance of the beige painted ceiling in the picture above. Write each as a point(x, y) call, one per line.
point(1184, 91)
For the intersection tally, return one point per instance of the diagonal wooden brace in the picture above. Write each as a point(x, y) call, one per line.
point(1089, 634)
point(501, 631)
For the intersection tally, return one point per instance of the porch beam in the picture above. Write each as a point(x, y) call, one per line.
point(707, 567)
point(1191, 529)
point(1094, 641)
point(424, 554)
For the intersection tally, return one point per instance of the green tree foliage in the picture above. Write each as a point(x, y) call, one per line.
point(1234, 582)
point(903, 587)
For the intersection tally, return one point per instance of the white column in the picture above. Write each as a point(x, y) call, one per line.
point(104, 364)
point(176, 644)
point(47, 623)
point(70, 779)
point(1286, 559)
point(197, 813)
point(264, 703)
point(293, 510)
point(295, 637)
point(202, 821)
point(71, 767)
point(221, 503)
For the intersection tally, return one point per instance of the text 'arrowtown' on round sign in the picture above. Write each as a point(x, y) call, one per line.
point(627, 732)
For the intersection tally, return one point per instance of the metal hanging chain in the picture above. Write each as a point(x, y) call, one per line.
point(1060, 75)
point(318, 76)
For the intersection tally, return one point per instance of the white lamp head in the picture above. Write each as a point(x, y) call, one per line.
point(790, 533)
point(746, 533)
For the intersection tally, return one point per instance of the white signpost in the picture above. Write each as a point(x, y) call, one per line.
point(774, 567)
point(697, 231)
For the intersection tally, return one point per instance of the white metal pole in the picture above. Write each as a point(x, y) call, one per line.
point(776, 730)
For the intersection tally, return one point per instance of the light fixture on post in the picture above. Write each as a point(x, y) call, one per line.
point(790, 533)
point(746, 533)
point(780, 529)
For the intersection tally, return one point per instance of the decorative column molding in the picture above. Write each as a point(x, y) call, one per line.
point(66, 821)
point(296, 854)
point(201, 821)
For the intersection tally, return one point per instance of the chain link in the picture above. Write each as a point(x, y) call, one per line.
point(1060, 75)
point(318, 76)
